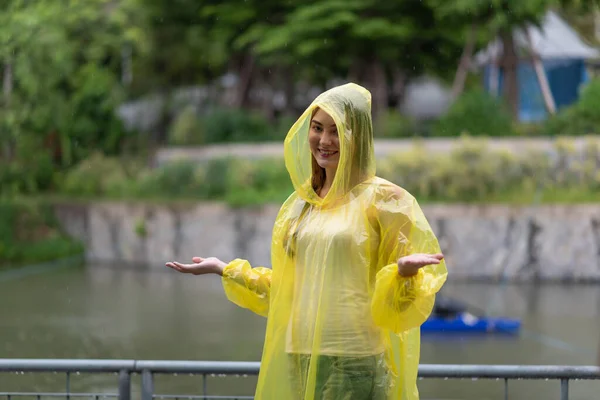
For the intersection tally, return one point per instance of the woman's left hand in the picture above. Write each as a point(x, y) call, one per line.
point(410, 265)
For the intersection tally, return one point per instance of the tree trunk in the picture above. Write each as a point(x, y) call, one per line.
point(542, 78)
point(399, 87)
point(493, 79)
point(380, 89)
point(245, 72)
point(7, 82)
point(355, 71)
point(509, 64)
point(126, 69)
point(597, 22)
point(7, 87)
point(464, 64)
point(269, 82)
point(289, 89)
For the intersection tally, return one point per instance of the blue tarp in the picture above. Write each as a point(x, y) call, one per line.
point(564, 77)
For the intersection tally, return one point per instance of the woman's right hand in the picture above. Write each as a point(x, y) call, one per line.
point(200, 266)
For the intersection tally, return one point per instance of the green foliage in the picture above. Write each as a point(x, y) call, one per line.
point(477, 113)
point(29, 234)
point(178, 179)
point(392, 124)
point(141, 230)
point(186, 129)
point(470, 172)
point(29, 172)
point(231, 125)
point(225, 125)
point(581, 118)
point(98, 175)
point(63, 84)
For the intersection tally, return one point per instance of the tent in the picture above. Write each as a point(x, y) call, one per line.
point(563, 56)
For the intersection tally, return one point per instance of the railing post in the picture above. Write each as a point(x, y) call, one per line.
point(124, 385)
point(147, 385)
point(564, 389)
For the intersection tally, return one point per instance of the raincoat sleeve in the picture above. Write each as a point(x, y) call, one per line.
point(248, 287)
point(251, 287)
point(402, 303)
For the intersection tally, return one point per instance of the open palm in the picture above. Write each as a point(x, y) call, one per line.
point(199, 266)
point(410, 265)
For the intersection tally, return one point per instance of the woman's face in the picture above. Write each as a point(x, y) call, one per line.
point(324, 141)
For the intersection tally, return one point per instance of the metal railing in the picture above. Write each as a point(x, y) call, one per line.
point(124, 369)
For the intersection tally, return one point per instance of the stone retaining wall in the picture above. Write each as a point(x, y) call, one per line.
point(480, 242)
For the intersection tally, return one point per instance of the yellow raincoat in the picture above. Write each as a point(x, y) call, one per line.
point(342, 323)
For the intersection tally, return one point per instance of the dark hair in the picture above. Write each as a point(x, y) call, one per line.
point(318, 173)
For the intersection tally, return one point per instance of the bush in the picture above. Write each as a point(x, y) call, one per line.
point(186, 129)
point(30, 234)
point(176, 180)
point(581, 118)
point(477, 113)
point(230, 125)
point(29, 172)
point(97, 175)
point(470, 172)
point(392, 124)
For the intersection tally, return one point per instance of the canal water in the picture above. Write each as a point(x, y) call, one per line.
point(95, 311)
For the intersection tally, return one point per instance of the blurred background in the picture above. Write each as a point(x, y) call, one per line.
point(134, 132)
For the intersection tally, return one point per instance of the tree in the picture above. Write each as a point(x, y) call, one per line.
point(365, 40)
point(501, 18)
point(62, 64)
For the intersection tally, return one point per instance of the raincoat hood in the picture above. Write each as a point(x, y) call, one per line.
point(350, 107)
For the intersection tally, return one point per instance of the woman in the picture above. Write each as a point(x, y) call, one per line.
point(355, 267)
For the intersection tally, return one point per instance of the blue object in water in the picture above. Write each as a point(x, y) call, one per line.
point(468, 323)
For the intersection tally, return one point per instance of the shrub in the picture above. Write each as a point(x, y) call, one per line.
point(29, 172)
point(581, 118)
point(477, 113)
point(186, 129)
point(230, 125)
point(96, 175)
point(474, 172)
point(392, 124)
point(470, 172)
point(175, 180)
point(30, 234)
